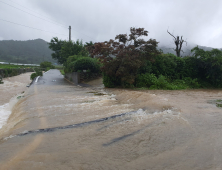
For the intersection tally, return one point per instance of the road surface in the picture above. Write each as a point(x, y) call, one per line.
point(57, 125)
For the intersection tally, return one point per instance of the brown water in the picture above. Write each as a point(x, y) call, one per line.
point(12, 88)
point(160, 130)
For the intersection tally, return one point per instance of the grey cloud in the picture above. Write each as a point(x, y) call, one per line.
point(198, 21)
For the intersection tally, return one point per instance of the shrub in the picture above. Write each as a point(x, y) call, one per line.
point(110, 82)
point(6, 73)
point(86, 63)
point(161, 83)
point(1, 82)
point(69, 64)
point(47, 65)
point(209, 65)
point(123, 57)
point(33, 75)
point(38, 72)
point(145, 80)
point(152, 82)
point(169, 66)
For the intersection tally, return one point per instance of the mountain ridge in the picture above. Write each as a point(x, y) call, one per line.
point(29, 51)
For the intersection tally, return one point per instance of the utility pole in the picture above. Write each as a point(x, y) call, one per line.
point(70, 33)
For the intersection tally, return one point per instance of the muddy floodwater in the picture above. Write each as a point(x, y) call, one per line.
point(12, 88)
point(57, 125)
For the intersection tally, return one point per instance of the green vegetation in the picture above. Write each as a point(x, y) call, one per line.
point(86, 63)
point(1, 82)
point(64, 49)
point(26, 52)
point(130, 61)
point(46, 65)
point(38, 72)
point(74, 56)
point(62, 72)
point(59, 67)
point(78, 63)
point(218, 105)
point(11, 66)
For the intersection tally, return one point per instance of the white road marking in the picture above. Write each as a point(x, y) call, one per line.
point(37, 79)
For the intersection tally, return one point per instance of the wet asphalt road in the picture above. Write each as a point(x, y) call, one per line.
point(51, 78)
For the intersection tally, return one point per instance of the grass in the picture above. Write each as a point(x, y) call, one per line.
point(62, 72)
point(59, 67)
point(218, 105)
point(6, 66)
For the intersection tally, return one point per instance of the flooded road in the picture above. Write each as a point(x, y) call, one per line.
point(57, 125)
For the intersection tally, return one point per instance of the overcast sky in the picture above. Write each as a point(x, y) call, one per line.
point(198, 21)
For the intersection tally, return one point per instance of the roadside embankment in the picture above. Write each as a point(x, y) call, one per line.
point(9, 72)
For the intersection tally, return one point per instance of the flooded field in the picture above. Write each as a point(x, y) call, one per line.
point(57, 125)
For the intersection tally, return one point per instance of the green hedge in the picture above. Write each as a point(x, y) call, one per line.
point(78, 63)
point(166, 71)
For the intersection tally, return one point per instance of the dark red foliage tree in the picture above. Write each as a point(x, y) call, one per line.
point(123, 56)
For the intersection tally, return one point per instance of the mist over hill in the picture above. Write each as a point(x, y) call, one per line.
point(186, 49)
point(26, 52)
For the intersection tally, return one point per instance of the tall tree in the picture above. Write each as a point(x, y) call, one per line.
point(178, 42)
point(90, 47)
point(56, 46)
point(122, 58)
point(64, 49)
point(71, 48)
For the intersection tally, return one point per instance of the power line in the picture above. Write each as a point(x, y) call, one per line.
point(33, 15)
point(42, 18)
point(33, 12)
point(30, 27)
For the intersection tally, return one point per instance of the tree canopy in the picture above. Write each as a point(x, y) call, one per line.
point(123, 56)
point(64, 49)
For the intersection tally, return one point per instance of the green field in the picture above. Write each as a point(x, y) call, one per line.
point(6, 66)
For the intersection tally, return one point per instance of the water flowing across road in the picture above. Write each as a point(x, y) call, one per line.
point(57, 125)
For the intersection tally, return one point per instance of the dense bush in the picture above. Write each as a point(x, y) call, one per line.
point(86, 63)
point(152, 82)
point(38, 72)
point(47, 65)
point(209, 65)
point(133, 62)
point(1, 82)
point(69, 64)
point(78, 63)
point(123, 57)
point(145, 80)
point(64, 49)
point(33, 75)
point(111, 81)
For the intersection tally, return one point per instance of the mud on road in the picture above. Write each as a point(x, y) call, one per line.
point(61, 126)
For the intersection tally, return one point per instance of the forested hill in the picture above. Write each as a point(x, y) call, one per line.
point(30, 51)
